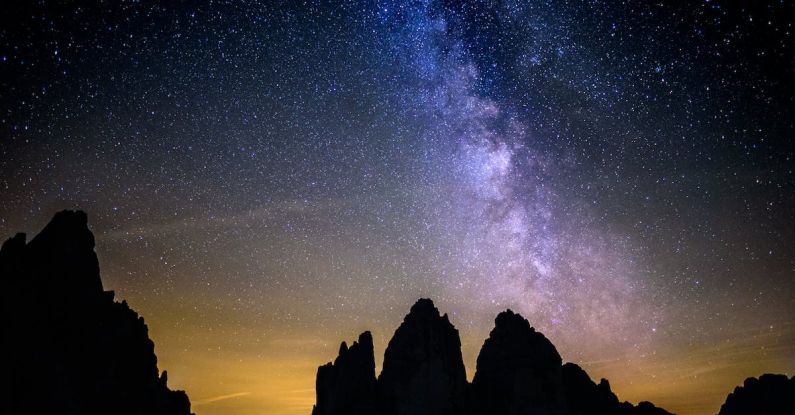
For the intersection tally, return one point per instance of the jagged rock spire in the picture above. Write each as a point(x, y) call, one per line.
point(423, 369)
point(770, 394)
point(518, 371)
point(347, 386)
point(70, 348)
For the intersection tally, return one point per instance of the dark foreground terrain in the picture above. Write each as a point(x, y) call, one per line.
point(69, 348)
point(770, 394)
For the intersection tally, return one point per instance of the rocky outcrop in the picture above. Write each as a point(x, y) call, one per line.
point(770, 394)
point(347, 386)
point(423, 369)
point(519, 371)
point(69, 347)
point(584, 397)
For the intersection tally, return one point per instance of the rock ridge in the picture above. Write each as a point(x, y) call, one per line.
point(518, 372)
point(70, 347)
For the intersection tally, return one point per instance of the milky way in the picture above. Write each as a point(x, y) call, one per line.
point(517, 244)
point(266, 179)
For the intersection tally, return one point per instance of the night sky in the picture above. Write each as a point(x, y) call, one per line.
point(266, 180)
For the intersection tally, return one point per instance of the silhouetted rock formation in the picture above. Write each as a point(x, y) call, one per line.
point(423, 369)
point(69, 347)
point(770, 394)
point(519, 372)
point(347, 386)
point(583, 396)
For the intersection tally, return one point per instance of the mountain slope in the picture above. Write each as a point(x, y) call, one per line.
point(70, 348)
point(519, 372)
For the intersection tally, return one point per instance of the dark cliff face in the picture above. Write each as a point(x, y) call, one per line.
point(423, 369)
point(70, 348)
point(770, 394)
point(519, 371)
point(584, 397)
point(347, 386)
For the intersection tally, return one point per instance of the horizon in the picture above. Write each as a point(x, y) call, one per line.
point(265, 181)
point(282, 375)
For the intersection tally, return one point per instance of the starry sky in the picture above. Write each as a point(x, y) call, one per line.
point(266, 179)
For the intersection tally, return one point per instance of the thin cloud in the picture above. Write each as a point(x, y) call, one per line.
point(220, 398)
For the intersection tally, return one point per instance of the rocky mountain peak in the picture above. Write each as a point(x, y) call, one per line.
point(72, 348)
point(347, 386)
point(423, 370)
point(769, 394)
point(518, 370)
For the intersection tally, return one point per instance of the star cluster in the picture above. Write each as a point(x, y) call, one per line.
point(267, 178)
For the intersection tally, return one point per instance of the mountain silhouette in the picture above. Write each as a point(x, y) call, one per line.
point(518, 372)
point(770, 394)
point(348, 385)
point(69, 347)
point(423, 369)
